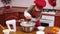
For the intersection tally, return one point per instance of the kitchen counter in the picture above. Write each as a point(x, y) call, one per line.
point(19, 31)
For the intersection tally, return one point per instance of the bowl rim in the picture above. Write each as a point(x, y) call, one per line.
point(39, 27)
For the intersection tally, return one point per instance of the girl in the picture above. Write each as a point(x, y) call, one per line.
point(34, 12)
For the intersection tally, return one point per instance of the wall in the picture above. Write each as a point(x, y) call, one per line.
point(27, 3)
point(58, 4)
point(1, 4)
point(22, 3)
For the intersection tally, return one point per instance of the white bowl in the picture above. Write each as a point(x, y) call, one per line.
point(40, 32)
point(41, 28)
point(27, 24)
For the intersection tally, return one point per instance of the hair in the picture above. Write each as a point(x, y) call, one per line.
point(31, 9)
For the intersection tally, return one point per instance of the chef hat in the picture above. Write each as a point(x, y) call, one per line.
point(40, 3)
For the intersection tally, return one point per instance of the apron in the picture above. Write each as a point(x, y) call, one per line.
point(35, 14)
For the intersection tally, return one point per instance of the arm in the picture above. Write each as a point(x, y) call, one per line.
point(27, 15)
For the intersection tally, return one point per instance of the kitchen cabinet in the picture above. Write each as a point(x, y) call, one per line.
point(21, 15)
point(13, 15)
point(2, 21)
point(57, 21)
point(9, 16)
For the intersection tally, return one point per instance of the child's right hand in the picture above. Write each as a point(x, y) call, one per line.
point(28, 17)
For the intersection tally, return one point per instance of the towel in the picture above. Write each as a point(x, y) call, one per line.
point(52, 2)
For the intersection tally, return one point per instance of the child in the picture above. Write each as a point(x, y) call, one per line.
point(35, 11)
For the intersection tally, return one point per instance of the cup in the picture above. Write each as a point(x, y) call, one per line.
point(40, 32)
point(6, 31)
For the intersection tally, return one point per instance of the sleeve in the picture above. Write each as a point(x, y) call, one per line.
point(26, 14)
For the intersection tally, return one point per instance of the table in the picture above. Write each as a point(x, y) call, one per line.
point(19, 31)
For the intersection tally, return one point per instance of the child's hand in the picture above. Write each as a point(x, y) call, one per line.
point(28, 17)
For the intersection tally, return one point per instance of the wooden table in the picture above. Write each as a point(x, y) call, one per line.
point(19, 31)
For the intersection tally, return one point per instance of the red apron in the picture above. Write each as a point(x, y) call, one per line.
point(34, 14)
